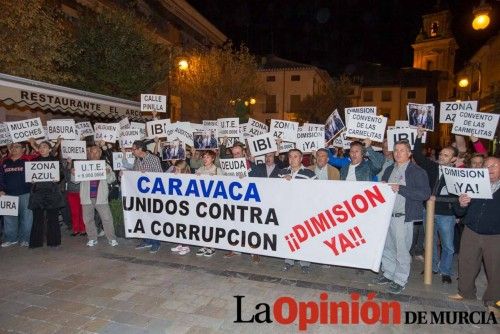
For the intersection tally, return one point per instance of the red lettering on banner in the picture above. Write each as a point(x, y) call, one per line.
point(344, 241)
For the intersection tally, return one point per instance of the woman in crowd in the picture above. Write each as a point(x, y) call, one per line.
point(208, 168)
point(45, 201)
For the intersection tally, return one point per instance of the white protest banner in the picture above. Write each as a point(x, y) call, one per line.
point(4, 135)
point(9, 205)
point(152, 102)
point(64, 128)
point(234, 167)
point(108, 132)
point(448, 110)
point(118, 158)
point(479, 124)
point(309, 141)
point(285, 130)
point(41, 171)
point(84, 129)
point(228, 127)
point(74, 149)
point(24, 130)
point(255, 128)
point(342, 141)
point(129, 136)
point(397, 134)
point(124, 123)
point(402, 124)
point(366, 126)
point(90, 170)
point(345, 227)
point(262, 144)
point(359, 110)
point(183, 132)
point(158, 128)
point(474, 182)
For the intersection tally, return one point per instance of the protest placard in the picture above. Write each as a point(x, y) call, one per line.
point(366, 126)
point(205, 140)
point(474, 182)
point(124, 123)
point(118, 158)
point(285, 130)
point(41, 171)
point(152, 102)
point(228, 127)
point(285, 146)
point(333, 125)
point(479, 124)
point(448, 110)
point(351, 234)
point(129, 136)
point(9, 205)
point(158, 128)
point(313, 127)
point(84, 129)
point(137, 125)
point(64, 128)
point(173, 150)
point(401, 124)
point(397, 134)
point(261, 159)
point(359, 110)
point(183, 132)
point(255, 128)
point(4, 135)
point(210, 125)
point(90, 170)
point(341, 141)
point(234, 167)
point(262, 144)
point(309, 141)
point(244, 132)
point(197, 127)
point(109, 132)
point(421, 115)
point(26, 129)
point(230, 141)
point(74, 149)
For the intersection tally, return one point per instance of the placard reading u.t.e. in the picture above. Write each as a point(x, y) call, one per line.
point(90, 170)
point(41, 171)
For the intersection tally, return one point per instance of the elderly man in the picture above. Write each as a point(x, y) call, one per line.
point(356, 167)
point(411, 184)
point(296, 171)
point(480, 241)
point(444, 227)
point(94, 197)
point(322, 169)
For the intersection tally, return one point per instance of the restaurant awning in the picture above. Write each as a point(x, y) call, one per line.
point(67, 101)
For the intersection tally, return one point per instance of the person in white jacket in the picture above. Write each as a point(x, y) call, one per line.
point(94, 196)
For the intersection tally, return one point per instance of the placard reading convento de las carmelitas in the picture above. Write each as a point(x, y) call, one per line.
point(479, 124)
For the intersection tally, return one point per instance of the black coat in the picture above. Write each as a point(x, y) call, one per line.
point(46, 195)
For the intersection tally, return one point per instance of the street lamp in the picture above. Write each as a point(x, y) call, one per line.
point(463, 83)
point(183, 65)
point(481, 16)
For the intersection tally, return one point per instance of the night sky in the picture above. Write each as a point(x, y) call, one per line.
point(333, 34)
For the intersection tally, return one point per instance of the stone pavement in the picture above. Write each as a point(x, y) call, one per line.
point(77, 289)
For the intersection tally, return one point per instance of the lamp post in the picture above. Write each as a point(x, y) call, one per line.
point(182, 65)
point(465, 82)
point(481, 16)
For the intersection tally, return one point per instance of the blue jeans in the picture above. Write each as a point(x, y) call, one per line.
point(152, 242)
point(19, 228)
point(444, 229)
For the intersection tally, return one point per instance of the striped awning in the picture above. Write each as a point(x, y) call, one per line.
point(72, 102)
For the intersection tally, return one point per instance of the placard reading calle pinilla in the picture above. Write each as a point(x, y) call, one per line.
point(41, 171)
point(152, 102)
point(90, 170)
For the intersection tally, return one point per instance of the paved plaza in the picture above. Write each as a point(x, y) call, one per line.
point(77, 289)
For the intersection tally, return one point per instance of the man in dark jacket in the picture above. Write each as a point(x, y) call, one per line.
point(480, 240)
point(444, 219)
point(268, 169)
point(411, 184)
point(13, 183)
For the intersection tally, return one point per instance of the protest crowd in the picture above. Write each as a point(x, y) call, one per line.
point(69, 177)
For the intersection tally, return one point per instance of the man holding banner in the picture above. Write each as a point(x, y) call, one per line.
point(411, 184)
point(444, 220)
point(480, 240)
